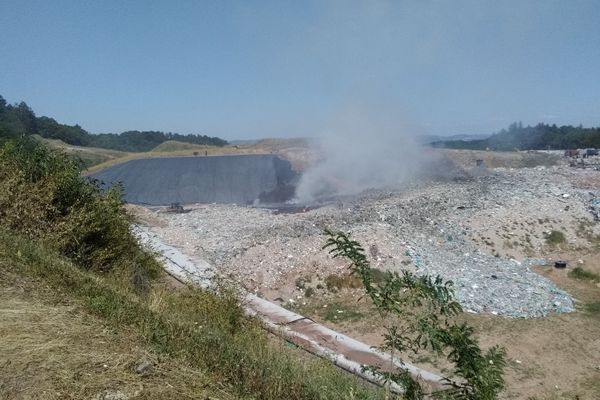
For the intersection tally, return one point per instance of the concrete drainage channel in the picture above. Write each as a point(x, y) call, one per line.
point(343, 351)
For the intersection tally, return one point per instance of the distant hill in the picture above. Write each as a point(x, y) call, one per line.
point(19, 119)
point(539, 137)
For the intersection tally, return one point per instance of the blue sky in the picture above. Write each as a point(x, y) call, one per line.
point(252, 69)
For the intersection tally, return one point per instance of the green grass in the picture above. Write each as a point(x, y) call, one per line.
point(204, 329)
point(593, 308)
point(341, 313)
point(583, 274)
point(555, 238)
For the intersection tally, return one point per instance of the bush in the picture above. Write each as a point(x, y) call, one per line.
point(337, 282)
point(555, 237)
point(425, 306)
point(43, 196)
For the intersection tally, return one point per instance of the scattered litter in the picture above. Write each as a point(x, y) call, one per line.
point(428, 229)
point(560, 264)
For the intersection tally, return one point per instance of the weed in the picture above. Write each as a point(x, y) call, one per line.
point(425, 305)
point(309, 292)
point(341, 313)
point(593, 308)
point(583, 274)
point(555, 238)
point(337, 282)
point(422, 359)
point(300, 283)
point(378, 275)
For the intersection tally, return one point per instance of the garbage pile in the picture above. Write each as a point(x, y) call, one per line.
point(430, 228)
point(595, 206)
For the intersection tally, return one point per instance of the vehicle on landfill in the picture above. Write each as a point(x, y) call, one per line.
point(176, 208)
point(591, 152)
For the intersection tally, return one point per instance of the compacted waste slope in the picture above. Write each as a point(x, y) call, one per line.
point(243, 179)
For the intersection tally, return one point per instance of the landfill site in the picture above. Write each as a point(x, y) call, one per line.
point(507, 229)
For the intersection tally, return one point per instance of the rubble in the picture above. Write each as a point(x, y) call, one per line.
point(430, 227)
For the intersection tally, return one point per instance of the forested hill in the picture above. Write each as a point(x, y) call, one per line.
point(539, 137)
point(19, 119)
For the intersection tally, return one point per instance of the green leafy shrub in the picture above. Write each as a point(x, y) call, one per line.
point(425, 305)
point(555, 237)
point(43, 196)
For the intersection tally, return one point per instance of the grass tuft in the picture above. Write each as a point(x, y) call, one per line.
point(555, 238)
point(341, 313)
point(583, 274)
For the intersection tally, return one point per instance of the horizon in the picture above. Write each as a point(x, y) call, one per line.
point(286, 69)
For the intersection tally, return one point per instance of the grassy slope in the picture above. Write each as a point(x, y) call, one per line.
point(89, 155)
point(100, 323)
point(178, 149)
point(174, 145)
point(53, 348)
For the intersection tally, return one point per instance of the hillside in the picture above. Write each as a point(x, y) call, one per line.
point(89, 156)
point(296, 151)
point(19, 119)
point(84, 304)
point(50, 350)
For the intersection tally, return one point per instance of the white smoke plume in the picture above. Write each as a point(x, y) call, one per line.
point(360, 151)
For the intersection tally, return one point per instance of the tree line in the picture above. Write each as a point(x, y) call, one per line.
point(539, 137)
point(19, 119)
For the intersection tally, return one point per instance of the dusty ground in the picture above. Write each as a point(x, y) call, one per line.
point(487, 232)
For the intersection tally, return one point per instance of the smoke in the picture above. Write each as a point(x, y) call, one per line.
point(360, 150)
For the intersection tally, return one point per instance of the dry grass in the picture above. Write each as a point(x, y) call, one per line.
point(90, 156)
point(53, 349)
point(178, 149)
point(174, 145)
point(199, 329)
